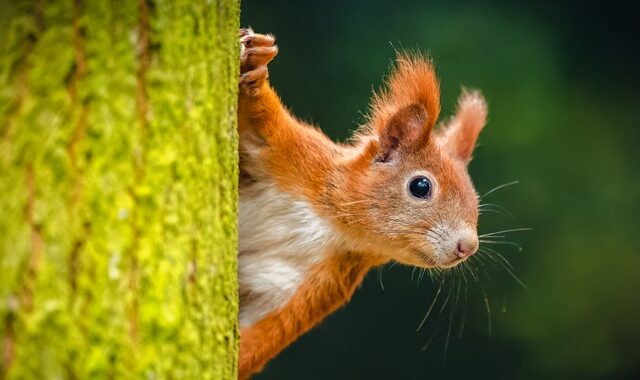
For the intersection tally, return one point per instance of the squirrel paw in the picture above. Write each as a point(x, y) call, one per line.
point(256, 51)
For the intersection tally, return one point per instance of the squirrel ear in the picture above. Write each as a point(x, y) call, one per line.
point(461, 132)
point(407, 128)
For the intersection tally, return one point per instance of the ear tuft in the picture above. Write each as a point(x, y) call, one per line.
point(412, 81)
point(461, 132)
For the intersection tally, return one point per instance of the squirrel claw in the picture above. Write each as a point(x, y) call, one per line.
point(255, 40)
point(251, 81)
point(245, 31)
point(253, 58)
point(257, 50)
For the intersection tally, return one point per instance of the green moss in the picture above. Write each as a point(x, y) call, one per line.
point(118, 223)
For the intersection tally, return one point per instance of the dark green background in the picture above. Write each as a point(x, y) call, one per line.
point(562, 84)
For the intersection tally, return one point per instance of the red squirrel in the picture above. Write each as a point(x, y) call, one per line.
point(315, 216)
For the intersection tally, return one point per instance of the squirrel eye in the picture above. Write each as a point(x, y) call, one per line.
point(420, 187)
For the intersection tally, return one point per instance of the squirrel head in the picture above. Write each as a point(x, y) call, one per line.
point(409, 193)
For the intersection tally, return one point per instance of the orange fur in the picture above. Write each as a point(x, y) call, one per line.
point(298, 157)
point(359, 189)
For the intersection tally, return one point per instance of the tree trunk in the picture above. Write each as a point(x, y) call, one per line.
point(118, 189)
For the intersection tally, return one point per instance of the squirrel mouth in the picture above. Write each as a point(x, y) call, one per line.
point(425, 258)
point(429, 262)
point(453, 262)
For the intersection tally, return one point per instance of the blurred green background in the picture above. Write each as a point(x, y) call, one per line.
point(562, 84)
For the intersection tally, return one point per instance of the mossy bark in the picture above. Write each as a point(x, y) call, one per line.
point(118, 189)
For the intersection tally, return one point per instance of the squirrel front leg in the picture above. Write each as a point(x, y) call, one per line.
point(277, 149)
point(273, 143)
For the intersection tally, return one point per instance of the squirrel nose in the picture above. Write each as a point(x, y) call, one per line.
point(467, 246)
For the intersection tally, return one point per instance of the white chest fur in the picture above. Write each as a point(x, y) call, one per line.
point(280, 239)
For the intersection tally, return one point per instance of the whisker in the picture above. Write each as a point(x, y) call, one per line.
point(451, 314)
point(482, 261)
point(464, 311)
point(507, 266)
point(380, 278)
point(490, 234)
point(484, 295)
point(501, 213)
point(502, 243)
point(435, 298)
point(495, 208)
point(500, 187)
point(487, 307)
point(444, 304)
point(424, 348)
point(489, 252)
point(420, 275)
point(471, 272)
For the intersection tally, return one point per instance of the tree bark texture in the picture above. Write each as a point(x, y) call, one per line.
point(118, 189)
